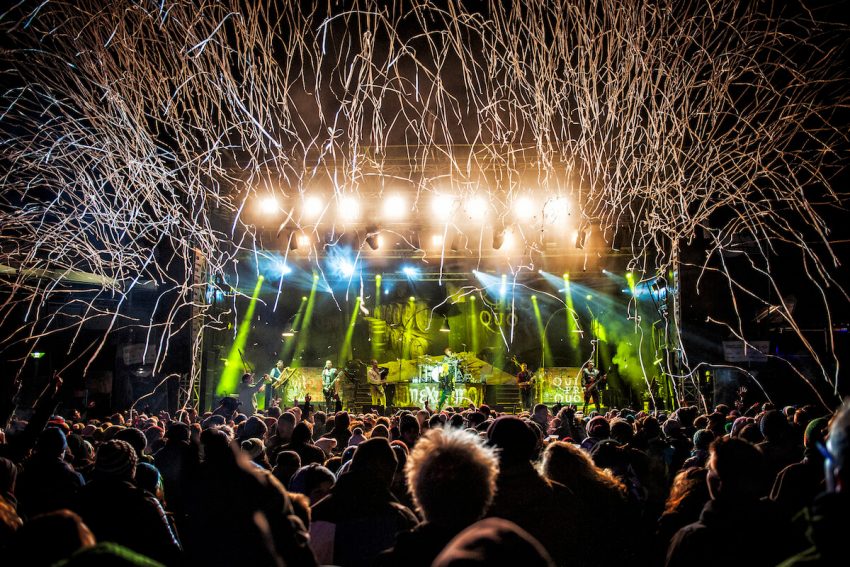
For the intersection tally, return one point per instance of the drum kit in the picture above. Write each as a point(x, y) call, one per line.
point(431, 369)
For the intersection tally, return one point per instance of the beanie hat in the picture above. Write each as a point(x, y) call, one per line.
point(493, 541)
point(51, 442)
point(134, 437)
point(255, 427)
point(599, 428)
point(671, 427)
point(116, 458)
point(148, 477)
point(816, 431)
point(703, 438)
point(178, 431)
point(380, 430)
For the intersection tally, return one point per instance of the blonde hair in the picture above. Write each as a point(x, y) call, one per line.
point(451, 474)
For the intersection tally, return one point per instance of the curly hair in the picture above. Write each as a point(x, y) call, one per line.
point(569, 465)
point(452, 476)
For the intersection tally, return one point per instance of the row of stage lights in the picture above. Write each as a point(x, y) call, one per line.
point(397, 208)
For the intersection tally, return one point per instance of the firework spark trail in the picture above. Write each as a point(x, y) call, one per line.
point(126, 124)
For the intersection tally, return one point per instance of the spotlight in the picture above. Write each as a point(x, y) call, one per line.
point(437, 240)
point(302, 241)
point(268, 205)
point(410, 271)
point(566, 275)
point(588, 297)
point(412, 299)
point(283, 268)
point(445, 327)
point(349, 208)
point(395, 207)
point(442, 204)
point(524, 208)
point(533, 298)
point(312, 207)
point(346, 268)
point(557, 209)
point(476, 208)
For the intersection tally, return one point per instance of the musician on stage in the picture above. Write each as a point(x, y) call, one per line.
point(591, 380)
point(330, 375)
point(447, 377)
point(525, 382)
point(376, 385)
point(248, 393)
point(274, 375)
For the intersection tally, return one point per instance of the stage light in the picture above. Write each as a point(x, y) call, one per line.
point(476, 208)
point(312, 207)
point(302, 241)
point(268, 205)
point(283, 268)
point(503, 289)
point(445, 327)
point(315, 276)
point(442, 205)
point(524, 208)
point(349, 208)
point(410, 271)
point(629, 275)
point(588, 297)
point(395, 207)
point(533, 298)
point(557, 209)
point(289, 333)
point(566, 275)
point(437, 240)
point(346, 268)
point(412, 299)
point(303, 298)
point(37, 354)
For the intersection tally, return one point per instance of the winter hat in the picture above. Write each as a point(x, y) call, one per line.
point(816, 431)
point(380, 430)
point(702, 439)
point(116, 459)
point(148, 477)
point(135, 438)
point(326, 444)
point(671, 428)
point(51, 442)
point(255, 427)
point(599, 428)
point(178, 431)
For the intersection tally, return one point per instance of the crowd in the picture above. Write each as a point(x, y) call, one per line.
point(464, 486)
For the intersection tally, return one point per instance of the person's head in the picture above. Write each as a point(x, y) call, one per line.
point(439, 459)
point(598, 428)
point(774, 426)
point(516, 441)
point(523, 366)
point(493, 541)
point(837, 461)
point(286, 464)
point(375, 458)
point(689, 492)
point(314, 481)
point(374, 363)
point(590, 365)
point(572, 467)
point(329, 364)
point(63, 529)
point(285, 424)
point(52, 443)
point(116, 459)
point(409, 429)
point(735, 470)
point(447, 351)
point(278, 364)
point(135, 437)
point(541, 412)
point(247, 377)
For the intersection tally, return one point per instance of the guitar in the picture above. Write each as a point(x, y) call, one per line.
point(328, 390)
point(284, 377)
point(596, 382)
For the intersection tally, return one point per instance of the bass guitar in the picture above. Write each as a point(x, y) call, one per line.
point(596, 383)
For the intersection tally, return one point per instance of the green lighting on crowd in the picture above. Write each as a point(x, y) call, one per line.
point(233, 366)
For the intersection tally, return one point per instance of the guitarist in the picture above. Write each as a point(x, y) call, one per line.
point(274, 376)
point(525, 382)
point(330, 375)
point(591, 380)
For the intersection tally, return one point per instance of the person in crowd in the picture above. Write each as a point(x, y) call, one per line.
point(47, 483)
point(736, 471)
point(544, 508)
point(687, 498)
point(340, 432)
point(313, 481)
point(48, 538)
point(827, 515)
point(703, 439)
point(111, 494)
point(778, 447)
point(253, 503)
point(409, 430)
point(300, 442)
point(797, 484)
point(282, 435)
point(494, 541)
point(360, 517)
point(441, 457)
